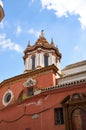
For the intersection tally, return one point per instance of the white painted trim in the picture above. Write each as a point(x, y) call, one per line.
point(5, 95)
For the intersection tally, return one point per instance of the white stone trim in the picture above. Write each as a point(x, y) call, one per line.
point(30, 82)
point(39, 59)
point(5, 96)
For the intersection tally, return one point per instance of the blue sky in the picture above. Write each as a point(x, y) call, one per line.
point(64, 21)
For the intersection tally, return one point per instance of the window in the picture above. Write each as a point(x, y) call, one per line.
point(27, 129)
point(75, 96)
point(45, 60)
point(30, 91)
point(7, 97)
point(58, 116)
point(33, 62)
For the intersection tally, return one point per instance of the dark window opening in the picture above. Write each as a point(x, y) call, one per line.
point(8, 97)
point(27, 129)
point(59, 116)
point(45, 60)
point(56, 81)
point(33, 62)
point(30, 91)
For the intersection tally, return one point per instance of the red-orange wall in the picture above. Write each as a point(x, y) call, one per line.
point(19, 116)
point(16, 86)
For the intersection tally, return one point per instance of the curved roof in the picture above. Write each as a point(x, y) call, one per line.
point(41, 40)
point(42, 43)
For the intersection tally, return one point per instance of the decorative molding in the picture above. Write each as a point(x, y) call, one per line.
point(30, 82)
point(70, 104)
point(32, 73)
point(6, 100)
point(35, 116)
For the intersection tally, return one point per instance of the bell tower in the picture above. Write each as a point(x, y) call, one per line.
point(41, 54)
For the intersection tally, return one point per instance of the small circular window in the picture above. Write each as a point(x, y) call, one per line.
point(7, 97)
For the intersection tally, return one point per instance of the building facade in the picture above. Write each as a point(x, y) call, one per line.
point(44, 97)
point(1, 11)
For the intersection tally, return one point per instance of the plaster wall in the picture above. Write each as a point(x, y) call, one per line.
point(38, 110)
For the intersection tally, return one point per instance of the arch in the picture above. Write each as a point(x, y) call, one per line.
point(20, 97)
point(77, 107)
point(46, 57)
point(33, 61)
point(75, 111)
point(66, 99)
point(78, 118)
point(76, 96)
point(46, 54)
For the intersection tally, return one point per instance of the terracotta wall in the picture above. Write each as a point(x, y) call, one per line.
point(16, 86)
point(37, 112)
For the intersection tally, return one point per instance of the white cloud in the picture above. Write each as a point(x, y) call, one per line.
point(31, 31)
point(79, 51)
point(32, 0)
point(65, 7)
point(34, 32)
point(4, 24)
point(77, 48)
point(6, 43)
point(18, 30)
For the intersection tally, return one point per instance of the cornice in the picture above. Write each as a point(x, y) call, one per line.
point(46, 47)
point(75, 65)
point(30, 73)
point(71, 75)
point(64, 85)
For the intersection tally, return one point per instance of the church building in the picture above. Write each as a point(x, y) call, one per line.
point(44, 97)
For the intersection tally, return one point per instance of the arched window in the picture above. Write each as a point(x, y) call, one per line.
point(75, 96)
point(33, 62)
point(46, 60)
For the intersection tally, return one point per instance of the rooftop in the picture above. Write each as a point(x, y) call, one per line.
point(81, 63)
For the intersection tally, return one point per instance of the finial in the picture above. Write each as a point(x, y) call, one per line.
point(52, 43)
point(52, 40)
point(57, 46)
point(28, 44)
point(42, 33)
